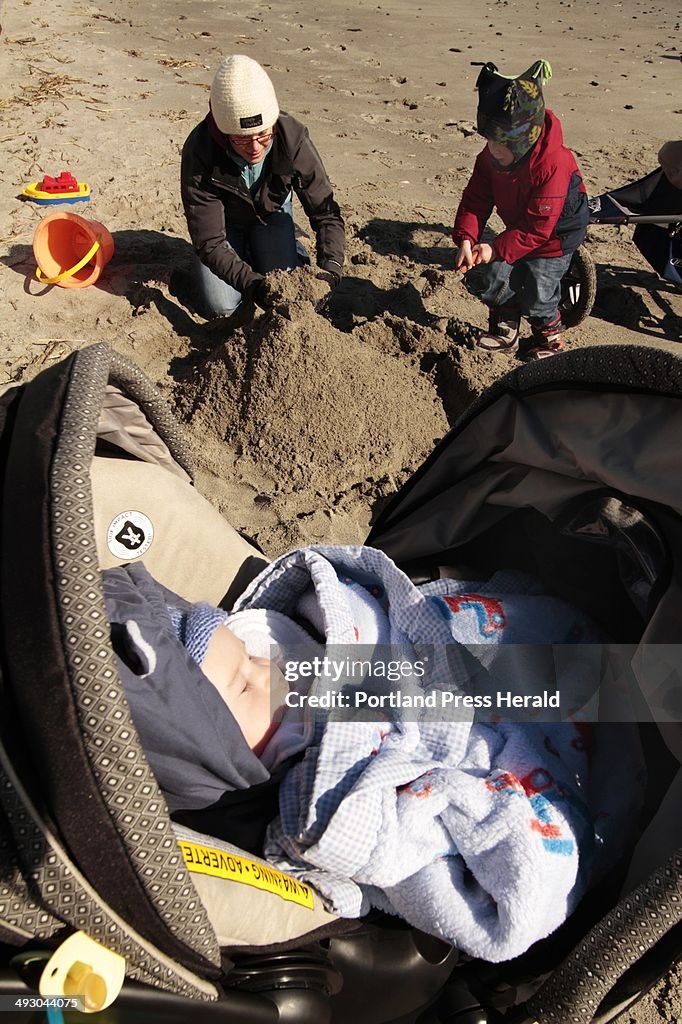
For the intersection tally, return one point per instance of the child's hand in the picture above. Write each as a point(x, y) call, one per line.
point(482, 253)
point(464, 259)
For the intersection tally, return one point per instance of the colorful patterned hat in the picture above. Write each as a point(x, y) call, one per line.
point(511, 110)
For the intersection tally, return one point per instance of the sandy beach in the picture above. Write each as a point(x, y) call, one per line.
point(304, 420)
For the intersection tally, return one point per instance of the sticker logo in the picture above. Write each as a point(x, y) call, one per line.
point(129, 535)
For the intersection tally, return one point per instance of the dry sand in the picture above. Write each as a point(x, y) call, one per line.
point(306, 419)
point(312, 414)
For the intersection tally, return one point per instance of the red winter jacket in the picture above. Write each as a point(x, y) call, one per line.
point(542, 200)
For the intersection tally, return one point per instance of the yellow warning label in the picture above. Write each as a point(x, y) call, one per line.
point(207, 860)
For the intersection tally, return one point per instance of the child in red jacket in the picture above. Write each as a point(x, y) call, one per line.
point(534, 182)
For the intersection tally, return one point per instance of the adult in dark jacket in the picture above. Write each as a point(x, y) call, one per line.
point(532, 179)
point(240, 167)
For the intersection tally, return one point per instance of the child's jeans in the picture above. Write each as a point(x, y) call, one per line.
point(532, 285)
point(265, 247)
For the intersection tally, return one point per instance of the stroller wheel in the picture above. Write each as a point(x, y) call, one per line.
point(578, 288)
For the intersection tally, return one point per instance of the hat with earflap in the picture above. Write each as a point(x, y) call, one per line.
point(511, 109)
point(243, 100)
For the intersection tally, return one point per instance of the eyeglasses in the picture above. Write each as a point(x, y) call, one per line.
point(246, 141)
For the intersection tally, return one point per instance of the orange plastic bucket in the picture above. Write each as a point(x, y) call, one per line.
point(71, 251)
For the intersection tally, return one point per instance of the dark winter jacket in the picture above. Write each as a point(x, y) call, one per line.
point(214, 196)
point(210, 778)
point(541, 200)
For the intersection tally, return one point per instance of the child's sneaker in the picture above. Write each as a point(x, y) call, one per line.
point(546, 340)
point(502, 335)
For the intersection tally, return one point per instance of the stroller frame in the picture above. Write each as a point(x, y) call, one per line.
point(389, 973)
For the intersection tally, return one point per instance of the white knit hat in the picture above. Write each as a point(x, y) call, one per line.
point(243, 100)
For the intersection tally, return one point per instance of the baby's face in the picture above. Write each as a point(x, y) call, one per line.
point(253, 688)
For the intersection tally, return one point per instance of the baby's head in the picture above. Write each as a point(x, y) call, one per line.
point(253, 688)
point(670, 160)
point(511, 111)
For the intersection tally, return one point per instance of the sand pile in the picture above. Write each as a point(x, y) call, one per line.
point(311, 407)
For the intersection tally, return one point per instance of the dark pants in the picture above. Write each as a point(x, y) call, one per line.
point(533, 286)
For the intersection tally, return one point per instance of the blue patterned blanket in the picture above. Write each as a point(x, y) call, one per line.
point(485, 833)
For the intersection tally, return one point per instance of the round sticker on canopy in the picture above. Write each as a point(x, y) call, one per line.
point(129, 535)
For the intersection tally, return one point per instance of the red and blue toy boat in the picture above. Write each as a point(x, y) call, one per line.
point(62, 189)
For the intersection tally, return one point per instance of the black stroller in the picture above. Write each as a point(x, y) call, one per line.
point(654, 207)
point(568, 468)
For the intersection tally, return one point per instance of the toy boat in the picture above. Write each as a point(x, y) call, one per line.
point(62, 189)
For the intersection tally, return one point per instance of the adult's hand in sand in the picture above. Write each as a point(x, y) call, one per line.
point(330, 271)
point(330, 276)
point(261, 294)
point(464, 259)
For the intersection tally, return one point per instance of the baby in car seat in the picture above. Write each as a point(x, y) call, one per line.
point(483, 832)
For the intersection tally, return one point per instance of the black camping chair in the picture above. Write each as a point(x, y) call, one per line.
point(567, 468)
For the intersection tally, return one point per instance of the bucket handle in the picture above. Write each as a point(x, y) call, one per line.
point(73, 270)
